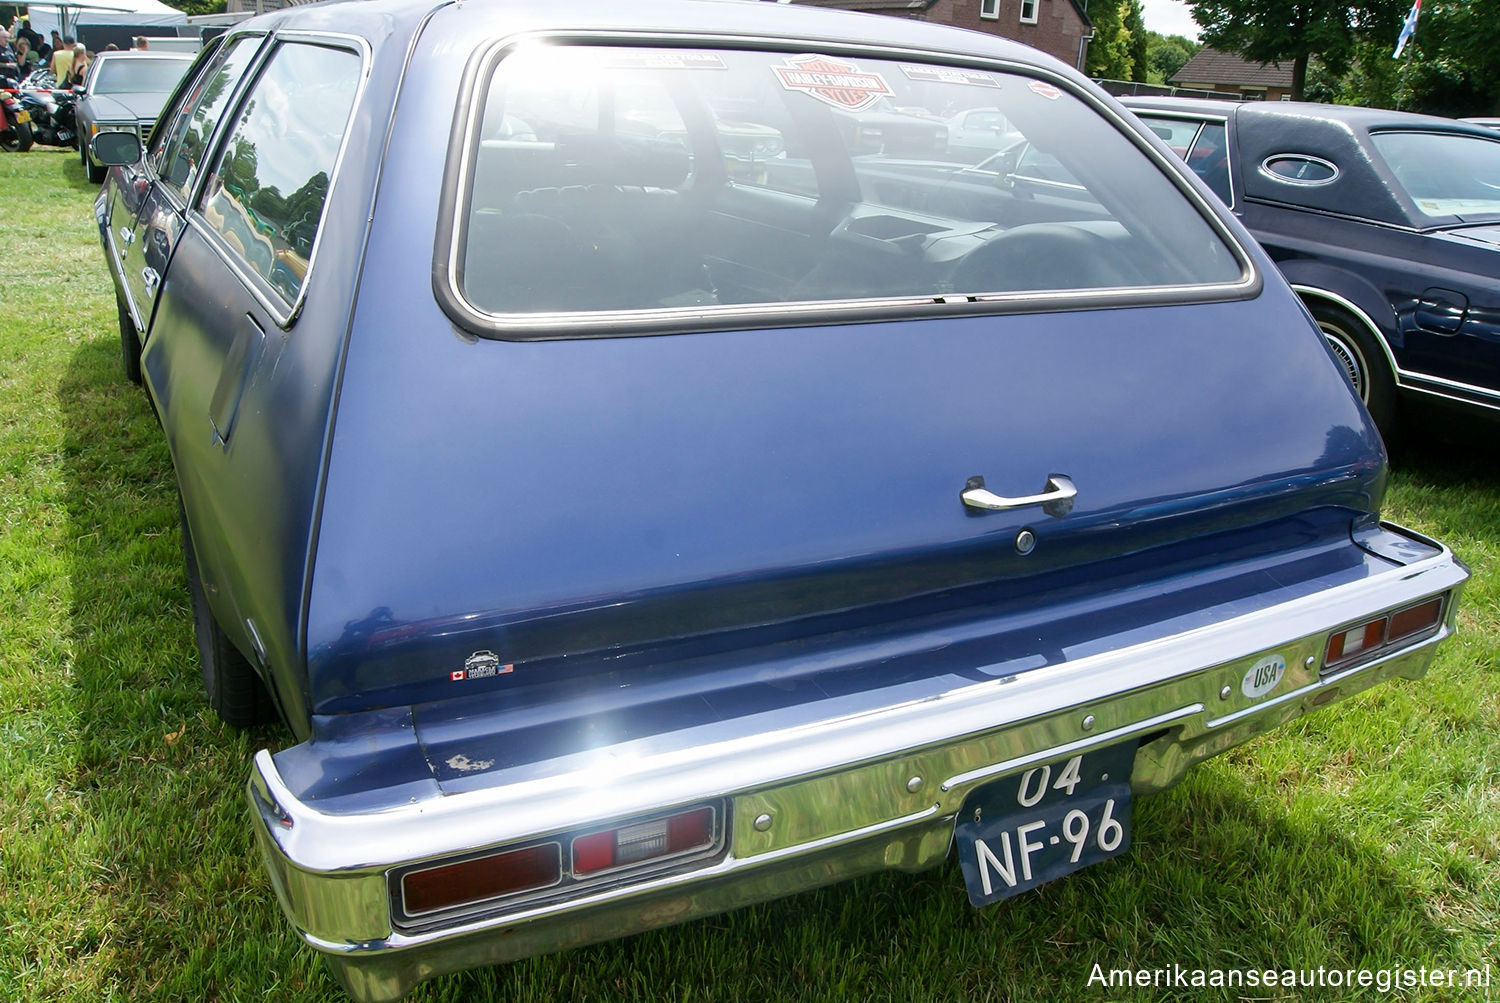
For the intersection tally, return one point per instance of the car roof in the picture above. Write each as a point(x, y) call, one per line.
point(112, 55)
point(1205, 107)
point(772, 22)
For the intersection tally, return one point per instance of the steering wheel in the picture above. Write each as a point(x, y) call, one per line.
point(1042, 256)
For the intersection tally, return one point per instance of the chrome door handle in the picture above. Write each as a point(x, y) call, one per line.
point(127, 236)
point(151, 280)
point(1056, 498)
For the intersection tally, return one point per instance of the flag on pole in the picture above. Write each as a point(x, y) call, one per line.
point(1408, 28)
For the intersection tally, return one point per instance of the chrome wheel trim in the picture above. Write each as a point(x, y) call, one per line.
point(1350, 358)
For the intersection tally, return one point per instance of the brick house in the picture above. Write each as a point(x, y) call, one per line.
point(1059, 28)
point(1227, 73)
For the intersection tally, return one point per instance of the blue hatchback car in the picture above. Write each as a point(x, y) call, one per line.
point(1386, 223)
point(642, 494)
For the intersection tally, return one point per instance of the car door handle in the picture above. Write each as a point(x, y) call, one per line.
point(127, 236)
point(1056, 498)
point(151, 280)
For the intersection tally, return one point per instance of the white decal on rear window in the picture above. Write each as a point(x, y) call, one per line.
point(948, 75)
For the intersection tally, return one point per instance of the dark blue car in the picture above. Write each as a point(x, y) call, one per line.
point(632, 521)
point(1386, 223)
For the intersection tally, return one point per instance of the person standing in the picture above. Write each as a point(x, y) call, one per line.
point(62, 58)
point(10, 69)
point(80, 67)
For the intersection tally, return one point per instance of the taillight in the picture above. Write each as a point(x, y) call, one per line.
point(683, 833)
point(447, 891)
point(1382, 633)
point(480, 879)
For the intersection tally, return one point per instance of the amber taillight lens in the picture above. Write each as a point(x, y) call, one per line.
point(480, 879)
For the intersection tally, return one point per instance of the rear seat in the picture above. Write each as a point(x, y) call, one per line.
point(623, 237)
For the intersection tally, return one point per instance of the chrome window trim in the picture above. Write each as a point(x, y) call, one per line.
point(1265, 170)
point(454, 204)
point(282, 313)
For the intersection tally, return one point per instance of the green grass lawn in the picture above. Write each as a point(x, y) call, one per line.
point(1366, 836)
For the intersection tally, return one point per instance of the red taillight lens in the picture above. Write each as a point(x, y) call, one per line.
point(482, 878)
point(1415, 619)
point(632, 844)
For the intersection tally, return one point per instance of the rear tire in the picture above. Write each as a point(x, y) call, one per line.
point(234, 690)
point(1361, 359)
point(130, 343)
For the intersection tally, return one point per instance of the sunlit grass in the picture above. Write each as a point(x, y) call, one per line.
point(1367, 836)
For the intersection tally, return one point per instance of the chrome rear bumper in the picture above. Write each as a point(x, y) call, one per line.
point(845, 795)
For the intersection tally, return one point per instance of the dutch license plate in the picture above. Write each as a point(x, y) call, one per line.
point(23, 116)
point(1048, 821)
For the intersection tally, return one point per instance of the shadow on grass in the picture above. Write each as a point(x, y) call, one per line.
point(178, 903)
point(181, 910)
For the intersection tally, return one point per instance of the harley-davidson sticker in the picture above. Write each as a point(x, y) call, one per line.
point(842, 85)
point(481, 665)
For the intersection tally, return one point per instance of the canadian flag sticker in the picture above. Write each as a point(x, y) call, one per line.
point(456, 676)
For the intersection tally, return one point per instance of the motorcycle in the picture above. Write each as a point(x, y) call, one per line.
point(51, 110)
point(15, 124)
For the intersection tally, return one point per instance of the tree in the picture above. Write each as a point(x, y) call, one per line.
point(1139, 43)
point(1109, 52)
point(1166, 54)
point(1275, 31)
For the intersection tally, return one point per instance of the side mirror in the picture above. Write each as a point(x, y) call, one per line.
point(116, 149)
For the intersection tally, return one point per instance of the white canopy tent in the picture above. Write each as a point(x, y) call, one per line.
point(65, 16)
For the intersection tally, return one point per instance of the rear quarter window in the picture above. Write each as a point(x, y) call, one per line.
point(611, 180)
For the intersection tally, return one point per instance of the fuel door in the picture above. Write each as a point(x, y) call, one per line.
point(1442, 311)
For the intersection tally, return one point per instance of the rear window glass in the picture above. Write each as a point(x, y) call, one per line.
point(1445, 174)
point(624, 179)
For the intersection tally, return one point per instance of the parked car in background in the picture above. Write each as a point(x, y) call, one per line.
point(626, 537)
point(124, 92)
point(978, 133)
point(1386, 223)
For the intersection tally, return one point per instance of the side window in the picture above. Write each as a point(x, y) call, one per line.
point(265, 196)
point(1209, 159)
point(179, 156)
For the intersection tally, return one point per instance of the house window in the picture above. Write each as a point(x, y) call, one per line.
point(989, 9)
point(1028, 11)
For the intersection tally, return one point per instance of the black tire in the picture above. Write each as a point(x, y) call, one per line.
point(130, 343)
point(20, 138)
point(1362, 360)
point(234, 690)
point(96, 172)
